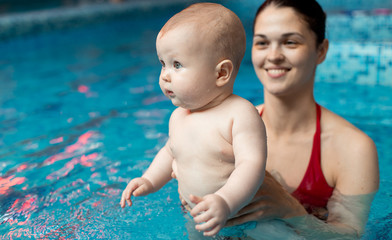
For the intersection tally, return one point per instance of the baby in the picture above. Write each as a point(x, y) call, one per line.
point(217, 141)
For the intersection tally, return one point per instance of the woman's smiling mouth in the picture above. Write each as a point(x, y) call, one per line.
point(277, 72)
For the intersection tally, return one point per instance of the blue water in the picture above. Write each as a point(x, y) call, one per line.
point(81, 113)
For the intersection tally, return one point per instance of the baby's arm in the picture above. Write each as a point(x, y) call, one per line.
point(250, 152)
point(156, 176)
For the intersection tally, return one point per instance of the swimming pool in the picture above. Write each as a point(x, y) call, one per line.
point(81, 113)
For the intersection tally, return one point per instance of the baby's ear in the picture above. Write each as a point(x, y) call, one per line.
point(224, 69)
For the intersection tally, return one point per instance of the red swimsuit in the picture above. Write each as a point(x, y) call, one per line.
point(314, 189)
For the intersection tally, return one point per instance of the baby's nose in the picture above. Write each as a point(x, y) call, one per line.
point(165, 75)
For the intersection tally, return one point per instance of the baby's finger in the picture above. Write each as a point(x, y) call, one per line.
point(128, 193)
point(198, 209)
point(129, 202)
point(133, 186)
point(139, 190)
point(123, 198)
point(202, 217)
point(212, 232)
point(122, 203)
point(207, 226)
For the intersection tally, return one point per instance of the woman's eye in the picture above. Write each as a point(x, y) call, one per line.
point(290, 43)
point(261, 43)
point(177, 65)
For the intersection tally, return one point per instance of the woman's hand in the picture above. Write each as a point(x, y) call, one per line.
point(271, 201)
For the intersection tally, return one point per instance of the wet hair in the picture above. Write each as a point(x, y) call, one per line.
point(310, 11)
point(214, 23)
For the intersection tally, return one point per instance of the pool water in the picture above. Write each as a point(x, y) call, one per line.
point(81, 113)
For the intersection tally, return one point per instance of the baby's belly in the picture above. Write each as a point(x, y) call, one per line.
point(202, 182)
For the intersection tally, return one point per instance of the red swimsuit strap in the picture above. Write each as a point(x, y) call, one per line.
point(314, 189)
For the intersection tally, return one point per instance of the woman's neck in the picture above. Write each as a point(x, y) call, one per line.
point(287, 116)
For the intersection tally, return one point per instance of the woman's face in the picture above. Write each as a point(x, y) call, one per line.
point(284, 52)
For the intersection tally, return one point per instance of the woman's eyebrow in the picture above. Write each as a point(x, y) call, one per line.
point(260, 35)
point(293, 34)
point(285, 35)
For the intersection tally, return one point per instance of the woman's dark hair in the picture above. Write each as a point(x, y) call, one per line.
point(310, 11)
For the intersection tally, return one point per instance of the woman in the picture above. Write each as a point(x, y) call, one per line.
point(326, 166)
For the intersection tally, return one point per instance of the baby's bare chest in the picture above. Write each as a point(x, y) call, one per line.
point(201, 138)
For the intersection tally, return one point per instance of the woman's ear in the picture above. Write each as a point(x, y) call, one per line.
point(224, 70)
point(322, 51)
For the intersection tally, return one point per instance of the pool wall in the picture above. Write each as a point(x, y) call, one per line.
point(50, 15)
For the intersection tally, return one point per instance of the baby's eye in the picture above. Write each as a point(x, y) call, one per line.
point(162, 62)
point(177, 65)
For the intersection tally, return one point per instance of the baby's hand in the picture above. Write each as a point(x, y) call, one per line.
point(136, 187)
point(211, 213)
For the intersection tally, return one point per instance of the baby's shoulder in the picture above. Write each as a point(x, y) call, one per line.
point(237, 101)
point(239, 105)
point(177, 114)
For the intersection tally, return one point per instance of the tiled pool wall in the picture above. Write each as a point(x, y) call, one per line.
point(360, 31)
point(348, 5)
point(360, 47)
point(360, 43)
point(358, 63)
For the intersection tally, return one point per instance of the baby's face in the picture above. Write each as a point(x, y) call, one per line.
point(188, 75)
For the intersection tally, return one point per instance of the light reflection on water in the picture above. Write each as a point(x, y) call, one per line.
point(81, 113)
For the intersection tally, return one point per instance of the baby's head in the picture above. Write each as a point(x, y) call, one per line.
point(200, 49)
point(218, 29)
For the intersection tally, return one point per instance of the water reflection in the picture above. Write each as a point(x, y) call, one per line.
point(44, 196)
point(7, 182)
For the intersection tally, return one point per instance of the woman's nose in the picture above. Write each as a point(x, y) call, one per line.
point(275, 54)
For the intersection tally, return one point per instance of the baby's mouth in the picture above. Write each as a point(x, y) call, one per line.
point(169, 93)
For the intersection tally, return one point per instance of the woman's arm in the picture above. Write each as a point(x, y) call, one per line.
point(271, 201)
point(347, 218)
point(356, 178)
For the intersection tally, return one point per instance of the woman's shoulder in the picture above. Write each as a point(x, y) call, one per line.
point(342, 131)
point(350, 152)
